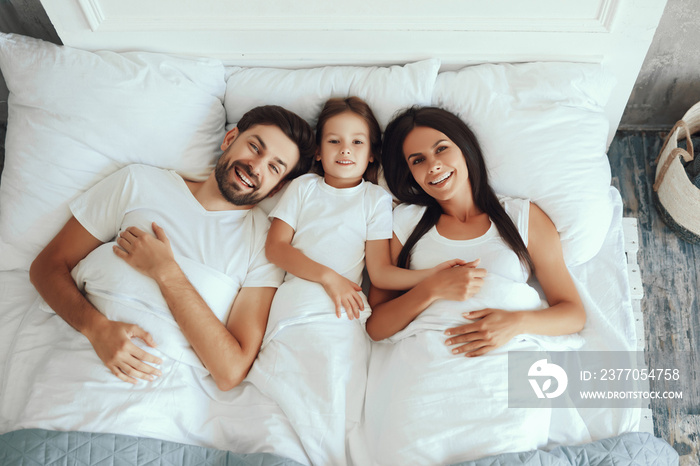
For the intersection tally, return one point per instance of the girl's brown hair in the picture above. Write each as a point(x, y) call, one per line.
point(336, 106)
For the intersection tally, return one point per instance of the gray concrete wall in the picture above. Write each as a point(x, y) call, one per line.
point(23, 17)
point(669, 82)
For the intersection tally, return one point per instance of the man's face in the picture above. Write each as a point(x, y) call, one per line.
point(254, 162)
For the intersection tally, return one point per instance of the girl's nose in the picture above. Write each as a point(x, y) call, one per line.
point(345, 151)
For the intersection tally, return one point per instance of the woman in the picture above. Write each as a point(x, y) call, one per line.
point(424, 403)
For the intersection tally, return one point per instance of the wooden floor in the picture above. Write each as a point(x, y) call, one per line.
point(671, 281)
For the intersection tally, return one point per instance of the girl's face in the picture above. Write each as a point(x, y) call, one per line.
point(436, 163)
point(344, 151)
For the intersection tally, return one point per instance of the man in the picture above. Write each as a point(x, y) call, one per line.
point(207, 221)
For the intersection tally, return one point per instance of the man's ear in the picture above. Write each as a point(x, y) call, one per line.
point(277, 188)
point(229, 138)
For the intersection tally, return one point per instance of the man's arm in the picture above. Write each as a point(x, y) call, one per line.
point(227, 351)
point(50, 274)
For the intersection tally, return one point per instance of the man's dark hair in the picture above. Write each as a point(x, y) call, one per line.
point(292, 125)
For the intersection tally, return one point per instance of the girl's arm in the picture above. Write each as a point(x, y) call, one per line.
point(385, 275)
point(392, 312)
point(564, 315)
point(279, 251)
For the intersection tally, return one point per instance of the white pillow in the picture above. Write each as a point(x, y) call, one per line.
point(385, 89)
point(76, 116)
point(543, 132)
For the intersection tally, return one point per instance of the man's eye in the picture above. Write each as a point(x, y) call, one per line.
point(254, 147)
point(274, 169)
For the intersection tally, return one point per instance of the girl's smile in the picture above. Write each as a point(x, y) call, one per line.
point(345, 150)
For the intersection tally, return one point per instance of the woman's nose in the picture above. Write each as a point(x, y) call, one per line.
point(435, 166)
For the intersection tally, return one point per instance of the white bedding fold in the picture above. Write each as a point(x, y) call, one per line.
point(425, 405)
point(63, 385)
point(315, 366)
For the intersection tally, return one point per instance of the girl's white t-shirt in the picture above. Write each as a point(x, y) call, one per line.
point(332, 225)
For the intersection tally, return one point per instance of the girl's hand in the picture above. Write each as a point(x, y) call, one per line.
point(344, 294)
point(494, 328)
point(458, 283)
point(449, 264)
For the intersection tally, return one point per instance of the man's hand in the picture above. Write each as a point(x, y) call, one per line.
point(112, 343)
point(150, 255)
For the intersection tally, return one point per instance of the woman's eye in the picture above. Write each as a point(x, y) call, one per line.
point(440, 149)
point(416, 161)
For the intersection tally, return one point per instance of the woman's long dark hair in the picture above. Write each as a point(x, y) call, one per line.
point(406, 189)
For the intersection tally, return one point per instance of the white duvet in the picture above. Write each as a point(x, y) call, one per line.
point(66, 386)
point(315, 366)
point(425, 405)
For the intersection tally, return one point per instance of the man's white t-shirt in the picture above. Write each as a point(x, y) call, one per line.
point(231, 242)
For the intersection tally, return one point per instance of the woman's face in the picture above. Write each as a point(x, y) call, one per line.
point(436, 163)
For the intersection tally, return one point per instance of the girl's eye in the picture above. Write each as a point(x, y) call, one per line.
point(333, 141)
point(357, 141)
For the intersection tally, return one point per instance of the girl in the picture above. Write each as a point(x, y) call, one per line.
point(337, 210)
point(311, 364)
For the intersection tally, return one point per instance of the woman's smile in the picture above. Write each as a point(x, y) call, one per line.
point(442, 179)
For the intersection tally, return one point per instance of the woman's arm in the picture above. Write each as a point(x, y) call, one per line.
point(392, 312)
point(385, 275)
point(564, 315)
point(279, 251)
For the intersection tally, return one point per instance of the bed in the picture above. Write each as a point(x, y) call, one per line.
point(77, 115)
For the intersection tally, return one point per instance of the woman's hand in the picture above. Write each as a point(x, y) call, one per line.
point(458, 283)
point(149, 254)
point(344, 293)
point(493, 328)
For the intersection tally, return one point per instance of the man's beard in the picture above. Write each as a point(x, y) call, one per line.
point(231, 191)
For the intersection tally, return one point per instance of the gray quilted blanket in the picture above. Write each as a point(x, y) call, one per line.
point(43, 447)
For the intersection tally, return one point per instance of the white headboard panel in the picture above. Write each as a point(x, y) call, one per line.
point(616, 33)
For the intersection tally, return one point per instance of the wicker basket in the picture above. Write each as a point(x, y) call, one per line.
point(675, 196)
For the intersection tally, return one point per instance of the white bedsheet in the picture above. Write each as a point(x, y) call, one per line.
point(314, 365)
point(54, 379)
point(33, 343)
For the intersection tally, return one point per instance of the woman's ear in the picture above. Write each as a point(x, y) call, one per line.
point(229, 138)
